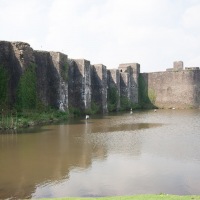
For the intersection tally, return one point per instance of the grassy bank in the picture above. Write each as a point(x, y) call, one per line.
point(139, 197)
point(27, 118)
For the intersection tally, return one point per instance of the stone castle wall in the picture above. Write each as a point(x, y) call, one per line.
point(79, 84)
point(172, 89)
point(99, 86)
point(129, 81)
point(113, 81)
point(65, 83)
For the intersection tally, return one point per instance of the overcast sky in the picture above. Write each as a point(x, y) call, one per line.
point(153, 33)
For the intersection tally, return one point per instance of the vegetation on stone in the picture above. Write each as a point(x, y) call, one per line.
point(35, 81)
point(26, 93)
point(152, 95)
point(95, 108)
point(113, 98)
point(28, 111)
point(3, 87)
point(147, 96)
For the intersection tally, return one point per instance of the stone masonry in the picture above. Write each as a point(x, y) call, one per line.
point(64, 83)
point(15, 57)
point(129, 77)
point(48, 79)
point(99, 86)
point(113, 81)
point(80, 84)
point(60, 62)
point(175, 88)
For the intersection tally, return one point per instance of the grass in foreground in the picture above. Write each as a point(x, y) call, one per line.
point(137, 197)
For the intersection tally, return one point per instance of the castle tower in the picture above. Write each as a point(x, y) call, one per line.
point(99, 86)
point(129, 74)
point(178, 65)
point(80, 84)
point(114, 84)
point(60, 62)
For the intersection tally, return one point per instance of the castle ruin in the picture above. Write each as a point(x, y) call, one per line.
point(63, 83)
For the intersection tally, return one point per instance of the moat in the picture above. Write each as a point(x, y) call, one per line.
point(145, 152)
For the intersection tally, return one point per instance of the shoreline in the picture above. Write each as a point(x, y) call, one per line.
point(19, 120)
point(135, 197)
point(13, 121)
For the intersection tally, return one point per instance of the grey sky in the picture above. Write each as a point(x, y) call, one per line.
point(153, 33)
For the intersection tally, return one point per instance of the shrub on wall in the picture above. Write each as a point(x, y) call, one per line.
point(152, 95)
point(95, 108)
point(26, 94)
point(147, 96)
point(3, 86)
point(143, 97)
point(125, 104)
point(113, 98)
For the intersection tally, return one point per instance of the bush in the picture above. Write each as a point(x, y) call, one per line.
point(26, 93)
point(113, 99)
point(3, 86)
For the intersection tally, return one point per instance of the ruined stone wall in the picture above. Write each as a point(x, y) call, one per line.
point(80, 84)
point(15, 57)
point(125, 85)
point(172, 89)
point(133, 69)
point(113, 81)
point(99, 86)
point(48, 79)
point(73, 89)
point(60, 62)
point(64, 83)
point(24, 54)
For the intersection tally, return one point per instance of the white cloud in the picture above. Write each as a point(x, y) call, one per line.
point(153, 33)
point(191, 17)
point(23, 20)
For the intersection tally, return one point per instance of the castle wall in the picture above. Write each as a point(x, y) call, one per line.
point(113, 81)
point(48, 79)
point(60, 62)
point(99, 86)
point(63, 82)
point(133, 69)
point(23, 53)
point(15, 57)
point(80, 84)
point(180, 89)
point(125, 85)
point(125, 72)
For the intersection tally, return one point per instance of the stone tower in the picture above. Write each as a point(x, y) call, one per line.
point(129, 74)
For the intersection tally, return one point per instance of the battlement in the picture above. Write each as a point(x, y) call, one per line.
point(130, 68)
point(192, 68)
point(179, 66)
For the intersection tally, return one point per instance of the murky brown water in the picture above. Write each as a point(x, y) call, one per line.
point(123, 154)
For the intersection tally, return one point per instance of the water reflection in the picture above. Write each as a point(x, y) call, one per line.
point(28, 160)
point(124, 154)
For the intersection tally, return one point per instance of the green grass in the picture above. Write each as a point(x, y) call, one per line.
point(26, 118)
point(137, 197)
point(34, 117)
